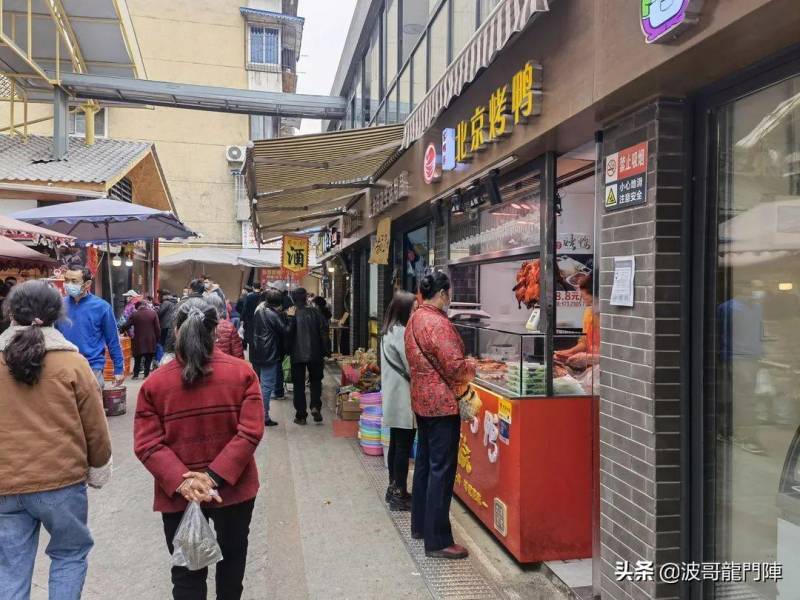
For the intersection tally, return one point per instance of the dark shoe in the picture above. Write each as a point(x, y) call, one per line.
point(270, 423)
point(398, 503)
point(417, 535)
point(453, 552)
point(281, 397)
point(300, 420)
point(317, 415)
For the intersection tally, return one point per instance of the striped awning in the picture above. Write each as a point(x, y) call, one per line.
point(508, 17)
point(301, 182)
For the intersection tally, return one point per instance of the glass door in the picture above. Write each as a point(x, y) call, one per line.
point(752, 343)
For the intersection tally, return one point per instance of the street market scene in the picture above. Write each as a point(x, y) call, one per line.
point(436, 299)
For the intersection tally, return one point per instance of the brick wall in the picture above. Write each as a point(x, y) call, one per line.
point(640, 412)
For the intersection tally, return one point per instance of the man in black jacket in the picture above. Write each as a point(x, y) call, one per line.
point(308, 339)
point(267, 348)
point(251, 302)
point(166, 315)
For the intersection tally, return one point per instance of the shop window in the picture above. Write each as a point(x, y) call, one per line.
point(464, 12)
point(391, 42)
point(485, 8)
point(753, 324)
point(263, 127)
point(416, 251)
point(264, 45)
point(511, 225)
point(438, 46)
point(76, 123)
point(404, 94)
point(415, 19)
point(419, 73)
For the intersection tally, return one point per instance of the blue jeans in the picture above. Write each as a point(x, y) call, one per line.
point(64, 514)
point(269, 378)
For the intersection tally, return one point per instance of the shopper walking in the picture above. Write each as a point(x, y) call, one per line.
point(267, 351)
point(55, 440)
point(144, 322)
point(396, 390)
point(166, 315)
point(198, 421)
point(279, 393)
point(308, 340)
point(323, 308)
point(90, 325)
point(440, 373)
point(251, 302)
point(227, 338)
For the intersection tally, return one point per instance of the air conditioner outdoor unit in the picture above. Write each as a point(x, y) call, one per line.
point(235, 154)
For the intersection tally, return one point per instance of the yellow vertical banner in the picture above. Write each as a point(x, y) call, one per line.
point(294, 255)
point(383, 238)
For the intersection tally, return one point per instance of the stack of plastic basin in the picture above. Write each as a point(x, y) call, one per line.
point(369, 431)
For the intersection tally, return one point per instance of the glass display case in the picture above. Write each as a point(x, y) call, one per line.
point(512, 361)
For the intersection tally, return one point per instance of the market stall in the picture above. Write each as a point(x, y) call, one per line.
point(521, 267)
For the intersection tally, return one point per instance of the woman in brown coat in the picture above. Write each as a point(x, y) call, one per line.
point(146, 335)
point(55, 440)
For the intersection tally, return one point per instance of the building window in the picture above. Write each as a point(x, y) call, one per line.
point(122, 190)
point(76, 123)
point(391, 42)
point(264, 44)
point(263, 127)
point(438, 46)
point(464, 18)
point(419, 85)
point(415, 18)
point(288, 60)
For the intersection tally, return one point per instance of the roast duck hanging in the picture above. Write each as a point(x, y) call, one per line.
point(527, 288)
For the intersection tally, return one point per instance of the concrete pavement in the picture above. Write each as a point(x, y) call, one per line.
point(319, 531)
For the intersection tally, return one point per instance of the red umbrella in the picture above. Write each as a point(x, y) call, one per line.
point(14, 254)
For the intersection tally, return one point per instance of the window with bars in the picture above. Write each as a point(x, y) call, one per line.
point(264, 45)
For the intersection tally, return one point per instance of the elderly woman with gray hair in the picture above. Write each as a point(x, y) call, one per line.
point(227, 340)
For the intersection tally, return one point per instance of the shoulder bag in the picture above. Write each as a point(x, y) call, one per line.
point(469, 403)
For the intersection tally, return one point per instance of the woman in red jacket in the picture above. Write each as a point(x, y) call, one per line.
point(440, 373)
point(227, 340)
point(198, 422)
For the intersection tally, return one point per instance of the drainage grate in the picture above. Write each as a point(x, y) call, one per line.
point(446, 579)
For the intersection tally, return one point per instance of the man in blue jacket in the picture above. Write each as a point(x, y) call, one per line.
point(90, 324)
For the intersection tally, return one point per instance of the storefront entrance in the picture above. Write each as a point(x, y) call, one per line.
point(752, 327)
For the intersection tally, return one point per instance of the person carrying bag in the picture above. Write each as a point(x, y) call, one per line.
point(440, 375)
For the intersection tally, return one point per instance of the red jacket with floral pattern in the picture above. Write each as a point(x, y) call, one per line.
point(441, 374)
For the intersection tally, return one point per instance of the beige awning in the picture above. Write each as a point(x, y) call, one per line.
point(304, 181)
point(506, 19)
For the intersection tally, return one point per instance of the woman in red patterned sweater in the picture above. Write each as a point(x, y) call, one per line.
point(198, 422)
point(440, 373)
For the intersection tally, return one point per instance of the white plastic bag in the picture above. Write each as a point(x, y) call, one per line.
point(195, 544)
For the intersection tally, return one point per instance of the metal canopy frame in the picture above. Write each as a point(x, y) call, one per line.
point(202, 97)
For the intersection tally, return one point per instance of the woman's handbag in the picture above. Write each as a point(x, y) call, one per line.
point(469, 403)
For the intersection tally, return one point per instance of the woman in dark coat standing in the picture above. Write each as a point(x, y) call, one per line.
point(147, 333)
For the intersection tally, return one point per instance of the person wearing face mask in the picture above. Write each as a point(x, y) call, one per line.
point(440, 373)
point(90, 325)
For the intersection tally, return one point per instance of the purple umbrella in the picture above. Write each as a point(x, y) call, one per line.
point(105, 220)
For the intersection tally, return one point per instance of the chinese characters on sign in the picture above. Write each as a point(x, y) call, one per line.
point(506, 108)
point(626, 178)
point(645, 570)
point(384, 199)
point(380, 247)
point(294, 255)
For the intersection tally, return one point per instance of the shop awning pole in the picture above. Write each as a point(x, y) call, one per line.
point(108, 267)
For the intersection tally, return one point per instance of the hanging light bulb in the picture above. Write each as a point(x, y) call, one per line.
point(116, 261)
point(128, 261)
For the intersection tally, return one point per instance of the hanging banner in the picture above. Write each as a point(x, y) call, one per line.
point(294, 253)
point(383, 237)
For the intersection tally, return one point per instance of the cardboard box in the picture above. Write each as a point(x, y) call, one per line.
point(349, 411)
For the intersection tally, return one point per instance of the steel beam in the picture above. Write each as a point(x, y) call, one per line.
point(60, 136)
point(202, 97)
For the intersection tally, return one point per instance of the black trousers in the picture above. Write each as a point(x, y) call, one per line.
point(137, 363)
point(434, 476)
point(232, 524)
point(316, 371)
point(400, 442)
